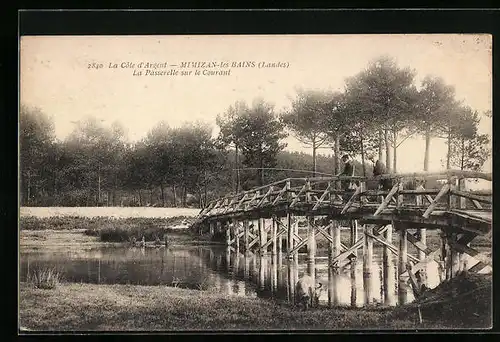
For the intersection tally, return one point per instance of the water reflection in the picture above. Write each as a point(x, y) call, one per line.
point(231, 272)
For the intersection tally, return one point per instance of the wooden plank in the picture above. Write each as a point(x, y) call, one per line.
point(344, 255)
point(477, 267)
point(297, 198)
point(321, 199)
point(417, 243)
point(433, 256)
point(413, 281)
point(391, 247)
point(241, 201)
point(386, 200)
point(265, 196)
point(471, 196)
point(471, 251)
point(444, 190)
point(477, 205)
point(351, 200)
point(280, 195)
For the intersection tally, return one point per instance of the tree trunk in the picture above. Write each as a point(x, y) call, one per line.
point(140, 197)
point(261, 171)
point(174, 191)
point(427, 150)
point(184, 196)
point(99, 186)
point(380, 144)
point(151, 196)
point(387, 151)
point(337, 154)
point(314, 159)
point(236, 160)
point(394, 147)
point(462, 159)
point(200, 198)
point(448, 155)
point(29, 189)
point(363, 156)
point(162, 195)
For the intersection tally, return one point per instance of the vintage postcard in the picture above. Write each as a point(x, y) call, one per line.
point(255, 182)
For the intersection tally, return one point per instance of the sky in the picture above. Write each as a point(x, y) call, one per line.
point(57, 76)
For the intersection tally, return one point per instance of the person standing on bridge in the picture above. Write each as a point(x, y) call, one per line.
point(348, 171)
point(380, 169)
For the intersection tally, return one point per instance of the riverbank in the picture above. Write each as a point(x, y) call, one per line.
point(88, 307)
point(58, 231)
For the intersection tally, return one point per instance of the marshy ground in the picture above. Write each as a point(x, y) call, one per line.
point(464, 302)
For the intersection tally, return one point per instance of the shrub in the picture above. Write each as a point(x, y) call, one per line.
point(45, 278)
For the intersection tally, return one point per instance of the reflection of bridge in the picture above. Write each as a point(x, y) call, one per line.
point(459, 214)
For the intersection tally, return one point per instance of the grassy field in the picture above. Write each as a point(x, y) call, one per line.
point(85, 307)
point(113, 212)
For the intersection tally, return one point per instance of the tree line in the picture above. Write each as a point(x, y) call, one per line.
point(378, 110)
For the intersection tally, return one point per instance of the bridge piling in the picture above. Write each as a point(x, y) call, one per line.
point(405, 210)
point(273, 235)
point(290, 231)
point(245, 236)
point(368, 263)
point(354, 235)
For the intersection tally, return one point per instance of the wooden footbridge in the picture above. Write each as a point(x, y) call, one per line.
point(460, 215)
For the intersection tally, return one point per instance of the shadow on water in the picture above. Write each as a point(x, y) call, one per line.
point(234, 273)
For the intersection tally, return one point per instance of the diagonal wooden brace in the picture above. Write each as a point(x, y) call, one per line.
point(444, 190)
point(322, 198)
point(387, 199)
point(351, 200)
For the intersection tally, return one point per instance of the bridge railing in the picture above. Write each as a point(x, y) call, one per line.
point(318, 192)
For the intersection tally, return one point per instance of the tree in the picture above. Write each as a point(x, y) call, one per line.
point(468, 149)
point(227, 138)
point(96, 150)
point(260, 134)
point(436, 105)
point(382, 100)
point(307, 119)
point(36, 143)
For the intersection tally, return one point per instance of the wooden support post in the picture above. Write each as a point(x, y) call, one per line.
point(462, 186)
point(211, 228)
point(274, 274)
point(290, 239)
point(245, 235)
point(368, 249)
point(273, 236)
point(368, 263)
point(455, 256)
point(262, 272)
point(422, 232)
point(354, 278)
point(228, 234)
point(388, 273)
point(311, 239)
point(236, 229)
point(291, 282)
point(261, 225)
point(280, 238)
point(354, 235)
point(403, 249)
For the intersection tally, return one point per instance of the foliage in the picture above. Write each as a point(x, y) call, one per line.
point(469, 149)
point(44, 278)
point(307, 119)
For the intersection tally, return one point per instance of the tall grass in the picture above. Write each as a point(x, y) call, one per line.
point(44, 278)
point(92, 223)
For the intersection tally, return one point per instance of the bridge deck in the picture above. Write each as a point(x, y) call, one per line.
point(450, 207)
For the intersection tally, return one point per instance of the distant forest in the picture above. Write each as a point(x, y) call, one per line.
point(186, 166)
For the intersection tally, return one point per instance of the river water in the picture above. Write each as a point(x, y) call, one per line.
point(218, 269)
